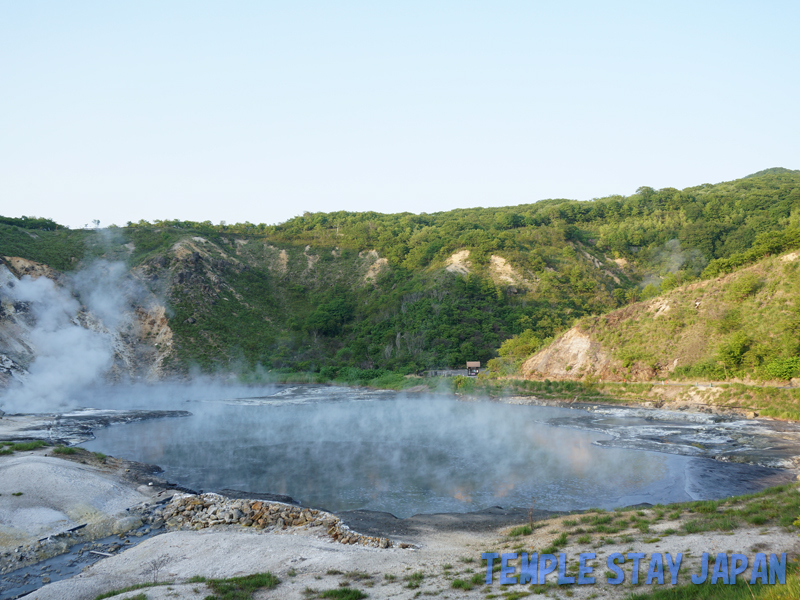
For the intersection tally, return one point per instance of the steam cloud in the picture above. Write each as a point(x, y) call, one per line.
point(671, 258)
point(75, 327)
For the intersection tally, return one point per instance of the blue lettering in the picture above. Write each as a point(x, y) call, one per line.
point(720, 569)
point(737, 569)
point(546, 567)
point(489, 558)
point(611, 563)
point(562, 570)
point(674, 567)
point(698, 579)
point(777, 568)
point(656, 570)
point(636, 557)
point(759, 569)
point(507, 571)
point(584, 570)
point(527, 570)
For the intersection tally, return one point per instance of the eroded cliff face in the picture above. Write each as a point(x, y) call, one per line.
point(574, 355)
point(197, 278)
point(138, 340)
point(16, 322)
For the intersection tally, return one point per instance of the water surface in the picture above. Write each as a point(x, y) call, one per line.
point(344, 449)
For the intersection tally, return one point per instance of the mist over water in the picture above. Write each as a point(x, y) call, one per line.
point(341, 448)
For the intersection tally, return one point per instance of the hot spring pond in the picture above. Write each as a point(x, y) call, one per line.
point(343, 449)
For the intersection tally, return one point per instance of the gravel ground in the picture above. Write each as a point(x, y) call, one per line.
point(305, 559)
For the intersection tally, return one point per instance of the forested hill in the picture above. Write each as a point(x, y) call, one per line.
point(408, 292)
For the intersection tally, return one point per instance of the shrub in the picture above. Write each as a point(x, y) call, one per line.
point(784, 368)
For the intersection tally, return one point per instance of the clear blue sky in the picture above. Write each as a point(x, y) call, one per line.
point(259, 111)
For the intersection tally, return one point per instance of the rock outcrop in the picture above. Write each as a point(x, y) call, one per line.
point(574, 355)
point(207, 510)
point(140, 339)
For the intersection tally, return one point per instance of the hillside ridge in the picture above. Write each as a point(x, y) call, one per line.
point(741, 326)
point(406, 293)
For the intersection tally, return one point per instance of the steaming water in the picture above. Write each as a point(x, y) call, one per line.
point(341, 449)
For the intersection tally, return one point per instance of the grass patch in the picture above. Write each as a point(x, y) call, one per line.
point(130, 588)
point(27, 446)
point(468, 584)
point(742, 590)
point(725, 522)
point(776, 506)
point(414, 580)
point(461, 584)
point(358, 575)
point(521, 530)
point(7, 448)
point(557, 543)
point(708, 506)
point(240, 588)
point(64, 450)
point(344, 593)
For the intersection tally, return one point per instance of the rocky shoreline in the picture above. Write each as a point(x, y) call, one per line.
point(275, 521)
point(74, 426)
point(193, 511)
point(717, 433)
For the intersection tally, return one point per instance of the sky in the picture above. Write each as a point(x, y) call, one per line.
point(261, 111)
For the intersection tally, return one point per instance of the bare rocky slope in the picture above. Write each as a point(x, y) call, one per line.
point(138, 339)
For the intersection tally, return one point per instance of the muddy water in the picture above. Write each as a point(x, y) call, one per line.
point(344, 449)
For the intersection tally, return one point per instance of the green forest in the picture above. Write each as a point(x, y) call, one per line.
point(299, 296)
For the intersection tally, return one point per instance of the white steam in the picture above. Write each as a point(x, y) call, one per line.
point(670, 257)
point(74, 327)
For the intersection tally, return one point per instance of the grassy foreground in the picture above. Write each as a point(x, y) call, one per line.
point(773, 507)
point(741, 590)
